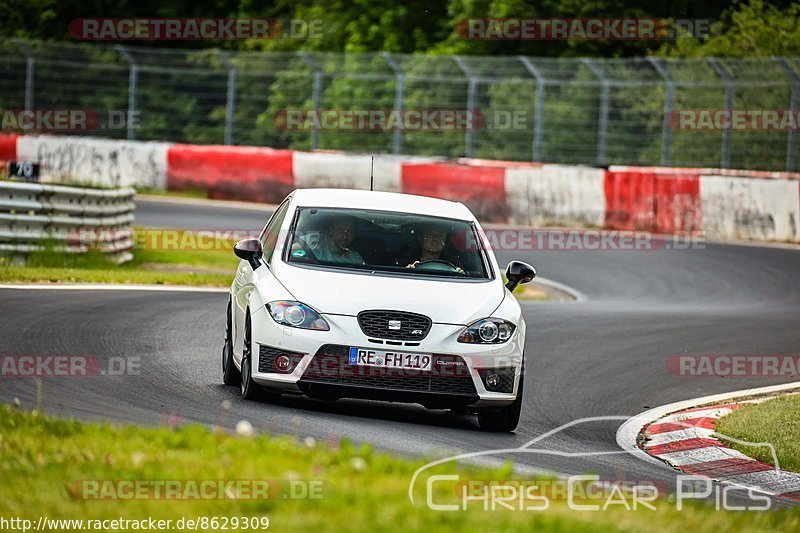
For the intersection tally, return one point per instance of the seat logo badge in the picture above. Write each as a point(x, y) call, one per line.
point(395, 324)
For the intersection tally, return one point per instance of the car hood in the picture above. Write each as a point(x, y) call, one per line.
point(348, 293)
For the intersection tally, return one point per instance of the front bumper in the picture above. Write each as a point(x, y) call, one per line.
point(319, 365)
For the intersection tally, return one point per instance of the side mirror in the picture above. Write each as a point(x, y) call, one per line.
point(250, 250)
point(518, 272)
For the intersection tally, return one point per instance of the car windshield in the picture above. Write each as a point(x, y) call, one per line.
point(401, 243)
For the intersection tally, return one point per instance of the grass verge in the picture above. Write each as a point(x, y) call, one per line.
point(774, 421)
point(49, 466)
point(160, 257)
point(191, 192)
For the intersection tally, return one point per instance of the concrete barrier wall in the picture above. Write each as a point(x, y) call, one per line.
point(8, 148)
point(232, 172)
point(725, 204)
point(750, 208)
point(99, 162)
point(346, 171)
point(481, 188)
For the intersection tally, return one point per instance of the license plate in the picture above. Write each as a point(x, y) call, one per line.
point(380, 358)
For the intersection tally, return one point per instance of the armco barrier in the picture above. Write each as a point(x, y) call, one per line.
point(232, 172)
point(74, 219)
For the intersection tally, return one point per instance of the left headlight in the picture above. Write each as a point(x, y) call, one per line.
point(296, 315)
point(488, 331)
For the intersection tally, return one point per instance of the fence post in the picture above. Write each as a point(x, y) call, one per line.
point(669, 100)
point(538, 116)
point(316, 95)
point(471, 87)
point(794, 79)
point(397, 139)
point(133, 77)
point(723, 73)
point(602, 119)
point(30, 69)
point(230, 100)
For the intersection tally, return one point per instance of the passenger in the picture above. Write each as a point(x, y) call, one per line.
point(432, 239)
point(335, 243)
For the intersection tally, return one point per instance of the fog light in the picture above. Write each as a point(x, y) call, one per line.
point(282, 363)
point(492, 381)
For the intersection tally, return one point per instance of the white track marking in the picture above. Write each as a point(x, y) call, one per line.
point(678, 435)
point(701, 455)
point(109, 287)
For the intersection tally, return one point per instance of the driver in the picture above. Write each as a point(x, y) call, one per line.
point(432, 239)
point(335, 242)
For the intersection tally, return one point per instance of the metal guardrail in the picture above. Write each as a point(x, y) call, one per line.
point(71, 219)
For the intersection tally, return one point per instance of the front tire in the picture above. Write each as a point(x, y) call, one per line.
point(230, 374)
point(250, 389)
point(506, 418)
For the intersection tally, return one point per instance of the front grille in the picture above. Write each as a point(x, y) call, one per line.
point(267, 356)
point(395, 325)
point(448, 375)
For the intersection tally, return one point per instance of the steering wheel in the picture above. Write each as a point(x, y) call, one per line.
point(437, 264)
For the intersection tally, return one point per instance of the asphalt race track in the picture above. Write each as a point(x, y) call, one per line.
point(606, 356)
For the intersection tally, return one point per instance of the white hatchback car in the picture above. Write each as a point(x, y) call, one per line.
point(380, 296)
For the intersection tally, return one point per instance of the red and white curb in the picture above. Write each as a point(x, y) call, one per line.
point(681, 436)
point(685, 440)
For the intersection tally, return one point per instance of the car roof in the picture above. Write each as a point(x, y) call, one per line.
point(381, 201)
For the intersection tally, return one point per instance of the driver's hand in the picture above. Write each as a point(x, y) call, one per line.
point(412, 265)
point(459, 270)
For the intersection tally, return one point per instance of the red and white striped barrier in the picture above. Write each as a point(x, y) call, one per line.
point(231, 172)
point(685, 440)
point(725, 204)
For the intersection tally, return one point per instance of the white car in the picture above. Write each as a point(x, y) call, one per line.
point(380, 296)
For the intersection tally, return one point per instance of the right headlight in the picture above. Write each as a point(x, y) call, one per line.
point(296, 315)
point(487, 331)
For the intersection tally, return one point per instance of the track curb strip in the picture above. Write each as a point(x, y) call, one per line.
point(683, 438)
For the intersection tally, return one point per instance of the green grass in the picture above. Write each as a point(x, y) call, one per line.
point(774, 421)
point(191, 192)
point(183, 260)
point(44, 462)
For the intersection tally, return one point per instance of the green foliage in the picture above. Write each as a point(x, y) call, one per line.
point(747, 29)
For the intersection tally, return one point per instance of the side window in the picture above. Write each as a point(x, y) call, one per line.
point(269, 239)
